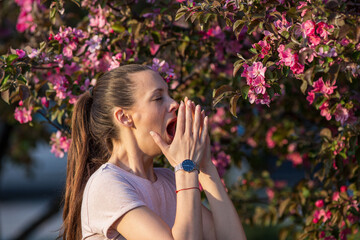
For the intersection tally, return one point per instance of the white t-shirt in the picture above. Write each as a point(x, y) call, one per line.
point(111, 192)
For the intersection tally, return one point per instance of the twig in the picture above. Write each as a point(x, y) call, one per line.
point(49, 121)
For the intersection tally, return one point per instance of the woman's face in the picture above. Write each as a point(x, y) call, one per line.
point(154, 110)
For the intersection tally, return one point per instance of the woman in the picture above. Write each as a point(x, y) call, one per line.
point(112, 189)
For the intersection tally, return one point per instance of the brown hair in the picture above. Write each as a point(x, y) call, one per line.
point(92, 133)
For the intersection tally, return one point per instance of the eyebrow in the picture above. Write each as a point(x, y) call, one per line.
point(158, 90)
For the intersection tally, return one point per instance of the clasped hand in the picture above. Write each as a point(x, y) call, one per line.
point(191, 138)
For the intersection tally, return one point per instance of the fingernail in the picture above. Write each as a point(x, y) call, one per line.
point(181, 103)
point(152, 133)
point(189, 103)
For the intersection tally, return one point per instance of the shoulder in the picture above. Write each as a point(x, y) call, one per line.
point(108, 178)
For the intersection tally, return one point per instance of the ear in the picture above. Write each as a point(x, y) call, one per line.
point(123, 118)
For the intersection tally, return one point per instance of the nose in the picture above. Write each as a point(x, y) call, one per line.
point(173, 105)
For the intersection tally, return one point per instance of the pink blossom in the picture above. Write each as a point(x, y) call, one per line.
point(154, 48)
point(328, 88)
point(265, 48)
point(251, 142)
point(257, 72)
point(314, 40)
point(325, 112)
point(59, 144)
point(319, 203)
point(286, 57)
point(341, 114)
point(22, 114)
point(322, 29)
point(343, 188)
point(291, 147)
point(44, 102)
point(297, 68)
point(295, 158)
point(308, 28)
point(283, 24)
point(318, 214)
point(21, 53)
point(344, 42)
point(94, 43)
point(269, 141)
point(318, 85)
point(310, 97)
point(309, 57)
point(335, 197)
point(221, 160)
point(270, 193)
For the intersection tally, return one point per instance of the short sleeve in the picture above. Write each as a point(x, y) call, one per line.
point(107, 197)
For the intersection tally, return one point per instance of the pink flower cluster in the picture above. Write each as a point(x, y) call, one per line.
point(269, 141)
point(25, 19)
point(164, 69)
point(326, 89)
point(337, 202)
point(314, 32)
point(255, 78)
point(289, 59)
point(220, 159)
point(70, 38)
point(265, 48)
point(98, 20)
point(23, 114)
point(218, 121)
point(59, 144)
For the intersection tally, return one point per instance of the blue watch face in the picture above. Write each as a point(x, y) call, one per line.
point(188, 165)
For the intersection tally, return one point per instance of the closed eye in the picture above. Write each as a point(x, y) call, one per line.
point(158, 99)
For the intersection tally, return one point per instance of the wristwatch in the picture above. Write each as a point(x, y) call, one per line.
point(187, 165)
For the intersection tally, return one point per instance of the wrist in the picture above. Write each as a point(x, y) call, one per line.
point(186, 179)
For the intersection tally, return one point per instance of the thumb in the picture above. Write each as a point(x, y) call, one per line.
point(159, 141)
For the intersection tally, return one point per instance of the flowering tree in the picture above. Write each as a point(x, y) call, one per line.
point(294, 64)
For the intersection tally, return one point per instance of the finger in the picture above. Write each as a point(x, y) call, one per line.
point(202, 119)
point(180, 123)
point(204, 132)
point(188, 121)
point(197, 119)
point(159, 141)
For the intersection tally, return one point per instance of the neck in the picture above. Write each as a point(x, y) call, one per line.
point(130, 158)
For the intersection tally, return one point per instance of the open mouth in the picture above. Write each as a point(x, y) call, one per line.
point(171, 128)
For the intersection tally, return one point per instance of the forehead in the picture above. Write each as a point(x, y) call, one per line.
point(147, 81)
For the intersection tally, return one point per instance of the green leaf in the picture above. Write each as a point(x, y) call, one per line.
point(303, 86)
point(156, 36)
point(118, 28)
point(179, 15)
point(283, 206)
point(233, 104)
point(319, 101)
point(219, 93)
point(221, 90)
point(238, 24)
point(11, 58)
point(253, 25)
point(5, 79)
point(237, 65)
point(253, 50)
point(24, 92)
point(245, 91)
point(325, 132)
point(52, 13)
point(5, 96)
point(271, 92)
point(285, 34)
